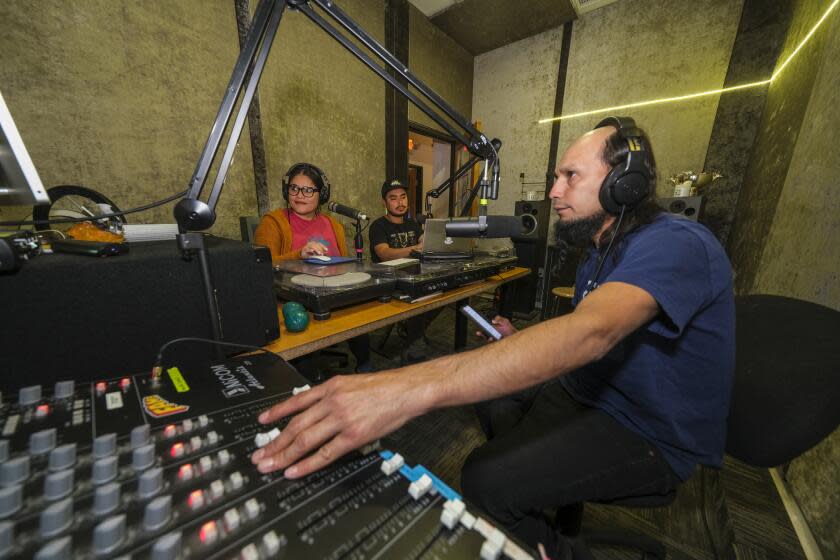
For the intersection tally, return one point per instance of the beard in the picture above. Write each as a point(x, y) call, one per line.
point(579, 233)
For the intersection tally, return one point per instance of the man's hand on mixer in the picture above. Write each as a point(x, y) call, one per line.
point(337, 417)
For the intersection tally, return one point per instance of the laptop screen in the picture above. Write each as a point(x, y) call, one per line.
point(435, 240)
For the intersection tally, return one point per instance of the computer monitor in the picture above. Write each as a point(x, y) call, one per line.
point(20, 184)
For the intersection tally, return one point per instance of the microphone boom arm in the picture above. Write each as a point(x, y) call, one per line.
point(194, 215)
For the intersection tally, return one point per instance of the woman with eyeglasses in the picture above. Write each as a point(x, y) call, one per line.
point(300, 230)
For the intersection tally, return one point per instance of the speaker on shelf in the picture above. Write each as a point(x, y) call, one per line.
point(76, 317)
point(690, 207)
point(526, 293)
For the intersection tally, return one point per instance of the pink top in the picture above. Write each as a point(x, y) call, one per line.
point(317, 229)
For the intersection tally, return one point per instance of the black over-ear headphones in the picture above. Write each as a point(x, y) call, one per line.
point(321, 180)
point(628, 183)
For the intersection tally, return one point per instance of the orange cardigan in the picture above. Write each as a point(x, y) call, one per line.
point(275, 233)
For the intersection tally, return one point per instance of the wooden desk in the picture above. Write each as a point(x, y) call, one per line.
point(358, 319)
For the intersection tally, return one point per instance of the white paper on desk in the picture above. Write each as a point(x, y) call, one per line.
point(398, 262)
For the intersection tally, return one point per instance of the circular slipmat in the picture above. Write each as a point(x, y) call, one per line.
point(338, 281)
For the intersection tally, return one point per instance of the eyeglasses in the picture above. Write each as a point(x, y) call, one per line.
point(307, 192)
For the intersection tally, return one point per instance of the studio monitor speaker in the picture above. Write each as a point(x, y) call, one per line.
point(530, 253)
point(690, 207)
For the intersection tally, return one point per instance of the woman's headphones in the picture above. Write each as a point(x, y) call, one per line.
point(627, 183)
point(320, 180)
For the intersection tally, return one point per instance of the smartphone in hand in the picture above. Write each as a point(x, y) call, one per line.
point(485, 325)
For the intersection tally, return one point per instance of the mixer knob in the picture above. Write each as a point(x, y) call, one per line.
point(106, 499)
point(140, 436)
point(7, 538)
point(143, 457)
point(42, 442)
point(168, 547)
point(11, 499)
point(104, 470)
point(104, 446)
point(272, 543)
point(232, 519)
point(59, 549)
point(249, 552)
point(64, 389)
point(29, 395)
point(150, 483)
point(58, 485)
point(14, 471)
point(63, 457)
point(157, 513)
point(109, 535)
point(56, 518)
point(4, 450)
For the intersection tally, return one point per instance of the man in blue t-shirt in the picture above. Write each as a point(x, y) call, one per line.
point(620, 398)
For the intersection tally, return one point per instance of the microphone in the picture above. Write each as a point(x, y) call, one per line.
point(351, 213)
point(523, 226)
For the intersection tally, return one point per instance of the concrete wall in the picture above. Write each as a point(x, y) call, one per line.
point(801, 256)
point(787, 225)
point(320, 104)
point(629, 51)
point(761, 35)
point(637, 50)
point(119, 96)
point(442, 64)
point(514, 87)
point(769, 167)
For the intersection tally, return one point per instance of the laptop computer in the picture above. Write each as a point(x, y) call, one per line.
point(437, 245)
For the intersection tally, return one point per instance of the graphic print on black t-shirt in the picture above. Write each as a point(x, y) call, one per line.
point(397, 236)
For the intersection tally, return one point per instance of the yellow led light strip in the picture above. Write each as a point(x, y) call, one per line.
point(704, 93)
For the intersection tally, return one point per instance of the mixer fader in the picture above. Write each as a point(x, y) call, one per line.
point(140, 468)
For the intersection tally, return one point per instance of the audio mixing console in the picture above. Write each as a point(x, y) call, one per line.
point(133, 467)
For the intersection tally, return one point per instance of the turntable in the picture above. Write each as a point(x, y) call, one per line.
point(424, 278)
point(322, 288)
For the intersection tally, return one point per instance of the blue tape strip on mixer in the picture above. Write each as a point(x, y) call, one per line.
point(413, 473)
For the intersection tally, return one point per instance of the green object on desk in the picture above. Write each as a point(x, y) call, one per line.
point(295, 316)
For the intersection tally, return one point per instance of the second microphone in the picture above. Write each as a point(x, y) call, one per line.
point(346, 211)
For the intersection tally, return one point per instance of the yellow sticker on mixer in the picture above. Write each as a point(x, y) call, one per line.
point(158, 407)
point(178, 380)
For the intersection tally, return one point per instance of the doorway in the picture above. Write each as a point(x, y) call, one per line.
point(432, 158)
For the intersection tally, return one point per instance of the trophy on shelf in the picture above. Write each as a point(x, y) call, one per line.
point(689, 183)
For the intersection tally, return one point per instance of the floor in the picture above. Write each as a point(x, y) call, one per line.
point(744, 517)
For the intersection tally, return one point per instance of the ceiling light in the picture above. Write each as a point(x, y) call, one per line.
point(663, 100)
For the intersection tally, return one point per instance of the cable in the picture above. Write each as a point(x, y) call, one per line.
point(594, 281)
point(157, 369)
point(97, 217)
point(61, 233)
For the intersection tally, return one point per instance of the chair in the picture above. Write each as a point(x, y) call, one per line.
point(560, 301)
point(784, 396)
point(248, 226)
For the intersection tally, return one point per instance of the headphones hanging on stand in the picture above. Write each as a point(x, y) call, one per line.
point(628, 183)
point(321, 181)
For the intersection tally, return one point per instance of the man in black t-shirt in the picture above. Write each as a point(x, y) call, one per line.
point(394, 236)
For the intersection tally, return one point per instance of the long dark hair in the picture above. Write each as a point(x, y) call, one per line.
point(615, 153)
